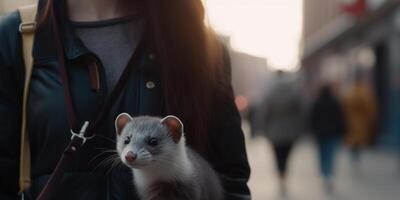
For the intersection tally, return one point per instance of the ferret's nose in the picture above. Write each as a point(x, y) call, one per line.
point(130, 157)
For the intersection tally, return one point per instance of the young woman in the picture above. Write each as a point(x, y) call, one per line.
point(178, 68)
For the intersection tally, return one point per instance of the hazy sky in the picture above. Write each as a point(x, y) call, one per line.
point(266, 28)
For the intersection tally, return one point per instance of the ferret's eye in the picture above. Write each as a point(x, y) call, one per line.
point(127, 140)
point(152, 142)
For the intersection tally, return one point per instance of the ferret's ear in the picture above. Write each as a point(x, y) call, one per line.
point(121, 121)
point(175, 126)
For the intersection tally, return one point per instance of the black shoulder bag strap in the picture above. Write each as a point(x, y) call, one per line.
point(88, 130)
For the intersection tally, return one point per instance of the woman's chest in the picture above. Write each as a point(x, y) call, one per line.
point(48, 125)
point(142, 93)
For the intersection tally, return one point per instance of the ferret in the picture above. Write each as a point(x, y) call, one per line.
point(164, 168)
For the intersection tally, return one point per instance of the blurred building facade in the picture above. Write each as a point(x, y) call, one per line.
point(340, 37)
point(250, 74)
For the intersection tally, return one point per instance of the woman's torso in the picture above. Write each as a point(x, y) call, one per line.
point(48, 124)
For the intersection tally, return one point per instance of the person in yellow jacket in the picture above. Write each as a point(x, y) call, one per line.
point(361, 114)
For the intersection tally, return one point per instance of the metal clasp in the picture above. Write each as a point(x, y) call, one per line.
point(81, 133)
point(27, 27)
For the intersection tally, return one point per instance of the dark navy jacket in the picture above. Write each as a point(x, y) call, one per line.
point(90, 177)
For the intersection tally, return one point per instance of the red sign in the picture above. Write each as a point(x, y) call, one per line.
point(354, 7)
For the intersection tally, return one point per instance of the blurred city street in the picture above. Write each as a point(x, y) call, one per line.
point(378, 176)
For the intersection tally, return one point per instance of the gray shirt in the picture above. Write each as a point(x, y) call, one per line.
point(113, 41)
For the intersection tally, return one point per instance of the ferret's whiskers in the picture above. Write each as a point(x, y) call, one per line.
point(107, 138)
point(115, 162)
point(106, 161)
point(104, 150)
point(107, 149)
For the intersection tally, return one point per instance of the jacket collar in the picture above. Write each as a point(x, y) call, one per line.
point(44, 46)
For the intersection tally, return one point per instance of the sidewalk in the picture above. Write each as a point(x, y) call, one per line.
point(377, 178)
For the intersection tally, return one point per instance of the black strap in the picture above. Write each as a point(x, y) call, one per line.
point(77, 140)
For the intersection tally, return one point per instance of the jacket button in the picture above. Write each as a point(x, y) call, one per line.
point(151, 56)
point(150, 84)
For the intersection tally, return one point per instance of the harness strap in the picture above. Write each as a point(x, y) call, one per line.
point(27, 30)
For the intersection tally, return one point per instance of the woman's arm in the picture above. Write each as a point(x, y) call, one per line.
point(227, 145)
point(10, 105)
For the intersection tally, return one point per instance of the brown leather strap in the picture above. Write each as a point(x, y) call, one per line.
point(27, 29)
point(77, 141)
point(94, 75)
point(72, 120)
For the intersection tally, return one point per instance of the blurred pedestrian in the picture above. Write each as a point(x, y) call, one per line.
point(328, 125)
point(361, 115)
point(284, 120)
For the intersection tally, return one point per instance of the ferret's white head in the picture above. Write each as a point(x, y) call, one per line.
point(148, 141)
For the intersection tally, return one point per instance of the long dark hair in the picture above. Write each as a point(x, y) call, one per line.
point(190, 56)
